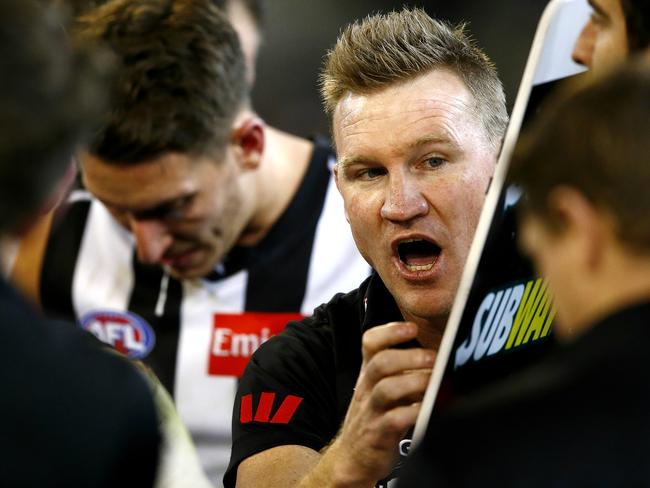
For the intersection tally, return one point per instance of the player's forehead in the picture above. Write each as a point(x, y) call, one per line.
point(141, 185)
point(433, 107)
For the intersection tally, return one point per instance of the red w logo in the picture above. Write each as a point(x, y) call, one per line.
point(264, 407)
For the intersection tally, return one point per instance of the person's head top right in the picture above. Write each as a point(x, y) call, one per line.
point(616, 30)
point(174, 158)
point(418, 115)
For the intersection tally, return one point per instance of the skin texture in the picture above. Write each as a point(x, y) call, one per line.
point(603, 40)
point(187, 212)
point(183, 213)
point(413, 162)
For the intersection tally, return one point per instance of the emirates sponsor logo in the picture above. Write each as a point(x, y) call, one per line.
point(235, 337)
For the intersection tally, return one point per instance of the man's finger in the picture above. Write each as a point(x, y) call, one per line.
point(390, 362)
point(401, 390)
point(384, 336)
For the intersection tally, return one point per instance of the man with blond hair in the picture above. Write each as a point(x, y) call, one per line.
point(418, 116)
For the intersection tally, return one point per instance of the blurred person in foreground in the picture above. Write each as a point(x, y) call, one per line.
point(418, 116)
point(73, 415)
point(615, 30)
point(581, 416)
point(201, 234)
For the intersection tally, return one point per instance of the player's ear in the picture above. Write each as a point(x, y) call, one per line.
point(581, 222)
point(248, 139)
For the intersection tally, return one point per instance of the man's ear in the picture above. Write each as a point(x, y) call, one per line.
point(581, 221)
point(248, 139)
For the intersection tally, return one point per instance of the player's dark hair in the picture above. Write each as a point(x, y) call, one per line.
point(637, 23)
point(49, 97)
point(596, 141)
point(180, 78)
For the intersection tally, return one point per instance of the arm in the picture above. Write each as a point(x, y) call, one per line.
point(279, 466)
point(384, 406)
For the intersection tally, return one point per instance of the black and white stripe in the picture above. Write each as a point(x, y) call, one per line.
point(306, 258)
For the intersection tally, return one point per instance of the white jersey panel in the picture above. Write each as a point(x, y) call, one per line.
point(103, 275)
point(205, 401)
point(335, 265)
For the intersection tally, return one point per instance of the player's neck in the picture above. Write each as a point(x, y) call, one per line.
point(624, 281)
point(284, 163)
point(430, 330)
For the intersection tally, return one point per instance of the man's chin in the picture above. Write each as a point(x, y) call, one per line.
point(186, 274)
point(189, 273)
point(431, 305)
point(192, 265)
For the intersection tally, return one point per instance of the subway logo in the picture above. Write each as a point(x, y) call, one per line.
point(507, 319)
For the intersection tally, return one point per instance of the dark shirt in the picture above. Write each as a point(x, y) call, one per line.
point(297, 387)
point(72, 414)
point(580, 418)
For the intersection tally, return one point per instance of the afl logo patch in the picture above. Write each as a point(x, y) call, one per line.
point(127, 332)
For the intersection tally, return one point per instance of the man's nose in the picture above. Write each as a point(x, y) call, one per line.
point(404, 199)
point(584, 47)
point(152, 239)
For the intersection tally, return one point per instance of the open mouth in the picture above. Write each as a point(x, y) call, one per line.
point(418, 254)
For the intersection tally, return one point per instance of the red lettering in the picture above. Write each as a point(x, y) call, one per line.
point(235, 337)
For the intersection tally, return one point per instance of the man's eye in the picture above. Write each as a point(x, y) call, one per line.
point(435, 162)
point(178, 209)
point(370, 173)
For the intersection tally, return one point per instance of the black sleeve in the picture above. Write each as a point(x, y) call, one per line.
point(287, 394)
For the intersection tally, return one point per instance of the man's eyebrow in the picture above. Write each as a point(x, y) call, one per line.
point(597, 8)
point(434, 139)
point(149, 211)
point(351, 160)
point(431, 139)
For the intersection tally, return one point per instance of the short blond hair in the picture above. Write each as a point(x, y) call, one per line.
point(385, 49)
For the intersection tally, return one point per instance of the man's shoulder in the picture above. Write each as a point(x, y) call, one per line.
point(98, 403)
point(332, 323)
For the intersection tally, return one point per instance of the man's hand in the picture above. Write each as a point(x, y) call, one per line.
point(384, 406)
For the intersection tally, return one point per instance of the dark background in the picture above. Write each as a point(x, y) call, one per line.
point(299, 32)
